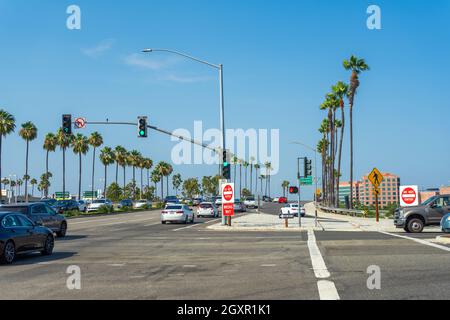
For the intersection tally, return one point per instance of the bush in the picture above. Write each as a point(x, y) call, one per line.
point(105, 209)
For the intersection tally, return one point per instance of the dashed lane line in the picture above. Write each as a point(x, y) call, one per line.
point(327, 289)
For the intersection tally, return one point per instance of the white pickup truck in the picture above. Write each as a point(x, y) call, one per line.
point(250, 202)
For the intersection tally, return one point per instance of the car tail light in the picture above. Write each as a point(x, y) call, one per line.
point(180, 212)
point(164, 211)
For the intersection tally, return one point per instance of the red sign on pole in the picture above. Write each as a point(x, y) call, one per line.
point(409, 196)
point(228, 209)
point(228, 192)
point(80, 123)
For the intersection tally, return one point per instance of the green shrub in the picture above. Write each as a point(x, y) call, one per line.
point(105, 209)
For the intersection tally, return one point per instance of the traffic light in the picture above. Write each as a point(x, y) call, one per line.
point(293, 190)
point(226, 168)
point(308, 168)
point(142, 127)
point(67, 124)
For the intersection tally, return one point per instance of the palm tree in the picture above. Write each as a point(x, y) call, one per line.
point(156, 178)
point(169, 171)
point(95, 141)
point(235, 162)
point(80, 146)
point(251, 174)
point(285, 185)
point(148, 164)
point(7, 126)
point(268, 166)
point(240, 178)
point(262, 177)
point(64, 140)
point(122, 160)
point(33, 182)
point(357, 66)
point(324, 130)
point(50, 144)
point(245, 165)
point(141, 165)
point(161, 170)
point(257, 167)
point(119, 152)
point(341, 91)
point(177, 181)
point(107, 158)
point(27, 133)
point(19, 184)
point(322, 147)
point(133, 160)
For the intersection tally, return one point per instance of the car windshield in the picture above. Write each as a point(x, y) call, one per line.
point(206, 206)
point(174, 207)
point(99, 201)
point(250, 199)
point(142, 201)
point(62, 203)
point(294, 205)
point(22, 210)
point(431, 200)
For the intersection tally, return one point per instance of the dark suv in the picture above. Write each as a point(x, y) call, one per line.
point(42, 214)
point(429, 213)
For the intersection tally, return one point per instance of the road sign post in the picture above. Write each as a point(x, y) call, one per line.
point(228, 201)
point(376, 178)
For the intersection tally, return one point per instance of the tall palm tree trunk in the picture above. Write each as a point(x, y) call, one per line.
point(167, 185)
point(79, 180)
point(240, 181)
point(64, 173)
point(256, 182)
point(46, 172)
point(93, 174)
point(26, 172)
point(351, 156)
point(124, 179)
point(106, 176)
point(251, 178)
point(117, 173)
point(1, 194)
point(235, 169)
point(162, 188)
point(142, 181)
point(134, 182)
point(340, 155)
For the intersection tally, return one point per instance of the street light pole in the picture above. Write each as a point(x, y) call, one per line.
point(222, 99)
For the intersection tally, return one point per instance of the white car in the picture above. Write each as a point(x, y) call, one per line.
point(82, 205)
point(179, 213)
point(97, 204)
point(292, 209)
point(276, 200)
point(207, 209)
point(142, 203)
point(250, 203)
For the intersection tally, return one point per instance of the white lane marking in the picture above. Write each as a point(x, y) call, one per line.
point(190, 266)
point(424, 242)
point(118, 265)
point(122, 222)
point(327, 290)
point(90, 221)
point(268, 265)
point(320, 269)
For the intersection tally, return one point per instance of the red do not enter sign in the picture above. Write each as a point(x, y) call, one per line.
point(409, 196)
point(228, 193)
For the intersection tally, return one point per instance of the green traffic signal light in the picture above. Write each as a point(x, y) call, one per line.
point(226, 164)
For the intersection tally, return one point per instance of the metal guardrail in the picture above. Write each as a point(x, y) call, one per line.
point(346, 212)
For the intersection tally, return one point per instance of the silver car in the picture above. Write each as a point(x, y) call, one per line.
point(207, 209)
point(177, 213)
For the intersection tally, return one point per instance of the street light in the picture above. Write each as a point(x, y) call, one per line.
point(222, 100)
point(315, 172)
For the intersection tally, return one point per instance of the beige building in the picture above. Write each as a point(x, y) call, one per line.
point(389, 191)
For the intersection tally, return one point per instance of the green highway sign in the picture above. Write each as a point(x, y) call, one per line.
point(61, 195)
point(306, 181)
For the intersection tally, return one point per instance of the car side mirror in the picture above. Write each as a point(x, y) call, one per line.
point(38, 224)
point(433, 206)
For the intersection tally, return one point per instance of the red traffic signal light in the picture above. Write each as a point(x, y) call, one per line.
point(293, 190)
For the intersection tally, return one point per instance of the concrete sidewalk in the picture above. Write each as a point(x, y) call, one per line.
point(266, 222)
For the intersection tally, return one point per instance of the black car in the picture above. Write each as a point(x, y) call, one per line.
point(40, 213)
point(18, 235)
point(266, 199)
point(66, 205)
point(49, 202)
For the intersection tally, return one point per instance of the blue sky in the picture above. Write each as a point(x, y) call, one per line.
point(280, 58)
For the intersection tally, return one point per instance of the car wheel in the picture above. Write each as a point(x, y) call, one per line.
point(62, 231)
point(48, 246)
point(415, 225)
point(8, 254)
point(163, 222)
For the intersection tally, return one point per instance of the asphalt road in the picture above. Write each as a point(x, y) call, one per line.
point(133, 256)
